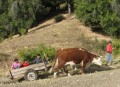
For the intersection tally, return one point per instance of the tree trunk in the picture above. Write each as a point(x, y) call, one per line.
point(69, 6)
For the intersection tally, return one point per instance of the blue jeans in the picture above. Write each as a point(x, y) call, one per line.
point(109, 57)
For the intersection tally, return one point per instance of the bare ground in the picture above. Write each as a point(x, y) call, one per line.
point(99, 79)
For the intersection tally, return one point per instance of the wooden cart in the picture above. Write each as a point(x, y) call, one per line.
point(28, 73)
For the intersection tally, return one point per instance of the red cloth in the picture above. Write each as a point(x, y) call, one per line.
point(24, 64)
point(109, 48)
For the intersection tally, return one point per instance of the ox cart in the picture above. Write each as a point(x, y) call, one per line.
point(28, 73)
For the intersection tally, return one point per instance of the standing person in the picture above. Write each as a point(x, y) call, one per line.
point(15, 64)
point(37, 59)
point(109, 53)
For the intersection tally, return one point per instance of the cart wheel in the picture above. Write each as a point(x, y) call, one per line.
point(31, 75)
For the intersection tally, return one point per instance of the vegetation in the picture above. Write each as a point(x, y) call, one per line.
point(59, 18)
point(17, 16)
point(116, 44)
point(100, 13)
point(94, 45)
point(46, 53)
point(99, 46)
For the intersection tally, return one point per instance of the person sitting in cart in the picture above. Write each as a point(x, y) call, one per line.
point(15, 64)
point(37, 59)
point(25, 63)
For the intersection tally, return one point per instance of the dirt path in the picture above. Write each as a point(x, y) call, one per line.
point(99, 79)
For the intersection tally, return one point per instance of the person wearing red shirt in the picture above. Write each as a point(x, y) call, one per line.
point(109, 52)
point(25, 63)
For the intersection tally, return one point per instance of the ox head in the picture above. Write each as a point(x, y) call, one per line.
point(97, 60)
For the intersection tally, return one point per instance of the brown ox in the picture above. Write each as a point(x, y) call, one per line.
point(76, 56)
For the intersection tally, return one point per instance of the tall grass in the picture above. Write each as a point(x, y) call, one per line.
point(116, 47)
point(93, 45)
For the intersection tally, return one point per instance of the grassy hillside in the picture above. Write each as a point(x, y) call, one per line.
point(59, 35)
point(67, 33)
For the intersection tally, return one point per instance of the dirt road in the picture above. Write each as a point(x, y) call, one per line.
point(109, 78)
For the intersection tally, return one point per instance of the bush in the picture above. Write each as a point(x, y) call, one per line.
point(30, 54)
point(59, 18)
point(3, 33)
point(22, 31)
point(116, 46)
point(63, 6)
point(99, 13)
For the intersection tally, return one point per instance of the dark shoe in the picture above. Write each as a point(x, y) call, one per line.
point(106, 63)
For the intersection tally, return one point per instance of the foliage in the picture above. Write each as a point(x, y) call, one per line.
point(99, 13)
point(116, 46)
point(99, 46)
point(22, 31)
point(30, 54)
point(3, 33)
point(17, 16)
point(59, 18)
point(63, 6)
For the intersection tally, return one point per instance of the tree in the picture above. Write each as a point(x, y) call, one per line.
point(99, 13)
point(17, 16)
point(70, 6)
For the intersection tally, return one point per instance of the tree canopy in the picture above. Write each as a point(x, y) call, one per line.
point(17, 16)
point(102, 13)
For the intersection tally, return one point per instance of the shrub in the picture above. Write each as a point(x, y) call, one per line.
point(63, 6)
point(22, 31)
point(116, 46)
point(30, 54)
point(3, 33)
point(59, 18)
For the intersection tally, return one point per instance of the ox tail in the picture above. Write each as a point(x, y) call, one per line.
point(52, 68)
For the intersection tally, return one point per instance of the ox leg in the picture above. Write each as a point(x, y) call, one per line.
point(83, 66)
point(66, 71)
point(75, 67)
point(57, 68)
point(55, 74)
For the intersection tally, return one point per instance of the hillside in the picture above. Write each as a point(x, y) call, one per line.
point(59, 35)
point(66, 33)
